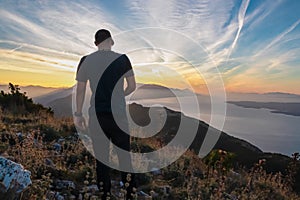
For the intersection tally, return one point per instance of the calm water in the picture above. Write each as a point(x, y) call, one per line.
point(269, 131)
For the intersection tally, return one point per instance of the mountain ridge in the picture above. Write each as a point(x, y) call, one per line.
point(276, 93)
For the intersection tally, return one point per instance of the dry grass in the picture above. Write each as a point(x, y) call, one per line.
point(189, 177)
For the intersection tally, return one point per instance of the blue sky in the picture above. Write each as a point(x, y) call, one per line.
point(254, 44)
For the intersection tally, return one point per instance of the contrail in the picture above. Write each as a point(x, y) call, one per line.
point(37, 48)
point(279, 37)
point(241, 17)
point(19, 47)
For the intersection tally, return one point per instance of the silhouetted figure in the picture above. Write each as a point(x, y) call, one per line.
point(106, 70)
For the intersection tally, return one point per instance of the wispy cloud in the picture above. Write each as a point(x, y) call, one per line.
point(63, 26)
point(279, 37)
point(229, 35)
point(263, 10)
point(241, 17)
point(52, 62)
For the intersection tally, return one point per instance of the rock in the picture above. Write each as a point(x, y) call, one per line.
point(65, 184)
point(143, 194)
point(231, 197)
point(60, 140)
point(54, 195)
point(92, 188)
point(49, 162)
point(153, 193)
point(121, 183)
point(155, 171)
point(234, 174)
point(57, 147)
point(13, 176)
point(50, 195)
point(20, 136)
point(166, 189)
point(59, 197)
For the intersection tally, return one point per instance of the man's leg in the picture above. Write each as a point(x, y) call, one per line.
point(122, 140)
point(103, 179)
point(125, 161)
point(101, 150)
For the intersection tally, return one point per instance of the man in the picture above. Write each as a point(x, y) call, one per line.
point(106, 70)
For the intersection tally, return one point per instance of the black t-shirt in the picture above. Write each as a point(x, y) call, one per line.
point(105, 71)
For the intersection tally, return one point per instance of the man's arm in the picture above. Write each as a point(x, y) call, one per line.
point(80, 94)
point(131, 85)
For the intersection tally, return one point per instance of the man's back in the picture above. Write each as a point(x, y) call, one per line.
point(105, 71)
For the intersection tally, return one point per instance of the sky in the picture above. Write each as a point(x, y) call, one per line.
point(253, 45)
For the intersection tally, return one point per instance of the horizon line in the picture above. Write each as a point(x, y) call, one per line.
point(155, 84)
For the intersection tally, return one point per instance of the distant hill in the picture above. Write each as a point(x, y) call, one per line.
point(60, 100)
point(45, 95)
point(282, 94)
point(40, 93)
point(48, 98)
point(276, 107)
point(33, 91)
point(264, 97)
point(62, 107)
point(152, 91)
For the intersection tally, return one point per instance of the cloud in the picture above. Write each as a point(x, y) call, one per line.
point(56, 34)
point(205, 21)
point(69, 27)
point(258, 15)
point(26, 59)
point(278, 38)
point(241, 16)
point(63, 26)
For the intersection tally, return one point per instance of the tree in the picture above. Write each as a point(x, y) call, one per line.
point(16, 102)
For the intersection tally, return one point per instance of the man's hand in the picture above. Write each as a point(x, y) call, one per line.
point(79, 120)
point(80, 123)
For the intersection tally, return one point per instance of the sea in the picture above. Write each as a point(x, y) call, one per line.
point(271, 132)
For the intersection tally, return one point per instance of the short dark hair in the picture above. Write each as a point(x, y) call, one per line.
point(102, 35)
